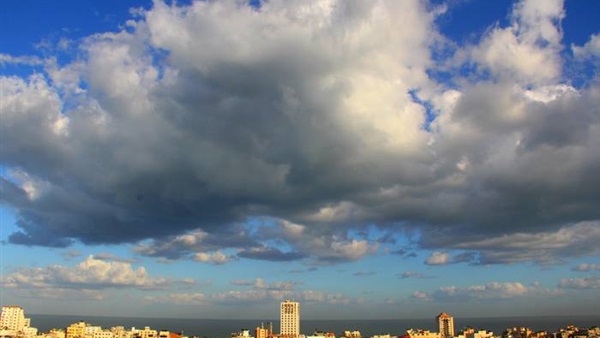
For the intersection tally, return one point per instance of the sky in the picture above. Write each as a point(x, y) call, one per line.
point(369, 159)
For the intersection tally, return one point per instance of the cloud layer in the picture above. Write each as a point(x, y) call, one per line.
point(319, 120)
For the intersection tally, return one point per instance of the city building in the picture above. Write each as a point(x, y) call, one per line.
point(517, 332)
point(264, 332)
point(289, 319)
point(244, 333)
point(470, 332)
point(352, 334)
point(321, 334)
point(147, 332)
point(76, 330)
point(446, 325)
point(13, 323)
point(53, 333)
point(13, 318)
point(120, 332)
point(420, 333)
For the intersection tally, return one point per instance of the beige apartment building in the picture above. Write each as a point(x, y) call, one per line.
point(446, 325)
point(289, 319)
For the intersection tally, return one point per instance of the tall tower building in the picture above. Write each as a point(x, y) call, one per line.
point(290, 319)
point(446, 325)
point(13, 318)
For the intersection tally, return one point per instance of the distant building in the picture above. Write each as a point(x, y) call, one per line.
point(420, 333)
point(322, 334)
point(469, 332)
point(264, 332)
point(13, 319)
point(446, 325)
point(13, 323)
point(517, 332)
point(120, 332)
point(53, 333)
point(352, 334)
point(76, 330)
point(289, 319)
point(244, 333)
point(147, 332)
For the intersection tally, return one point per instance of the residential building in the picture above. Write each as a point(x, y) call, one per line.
point(53, 333)
point(244, 333)
point(103, 334)
point(446, 325)
point(517, 332)
point(420, 333)
point(120, 332)
point(147, 332)
point(470, 332)
point(321, 334)
point(13, 318)
point(262, 332)
point(352, 334)
point(289, 319)
point(76, 330)
point(29, 332)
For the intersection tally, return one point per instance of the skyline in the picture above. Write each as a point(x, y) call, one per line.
point(368, 159)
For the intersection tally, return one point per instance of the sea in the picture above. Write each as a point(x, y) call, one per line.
point(222, 328)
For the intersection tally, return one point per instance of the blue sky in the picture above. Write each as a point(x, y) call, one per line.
point(368, 159)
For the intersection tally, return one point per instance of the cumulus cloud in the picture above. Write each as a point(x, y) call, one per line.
point(528, 49)
point(178, 298)
point(90, 274)
point(216, 258)
point(592, 282)
point(585, 267)
point(542, 247)
point(269, 254)
point(320, 117)
point(487, 291)
point(259, 290)
point(590, 49)
point(420, 295)
point(412, 274)
point(438, 258)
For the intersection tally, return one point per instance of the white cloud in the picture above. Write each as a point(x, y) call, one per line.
point(585, 267)
point(543, 247)
point(179, 298)
point(527, 50)
point(89, 274)
point(438, 258)
point(487, 291)
point(22, 60)
point(413, 274)
point(591, 48)
point(326, 118)
point(216, 258)
point(421, 295)
point(592, 282)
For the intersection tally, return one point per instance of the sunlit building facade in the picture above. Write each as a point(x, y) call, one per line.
point(13, 318)
point(446, 325)
point(290, 319)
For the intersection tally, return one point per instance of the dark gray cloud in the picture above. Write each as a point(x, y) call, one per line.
point(270, 254)
point(413, 274)
point(197, 121)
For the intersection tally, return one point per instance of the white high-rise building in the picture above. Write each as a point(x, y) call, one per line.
point(290, 319)
point(446, 325)
point(13, 318)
